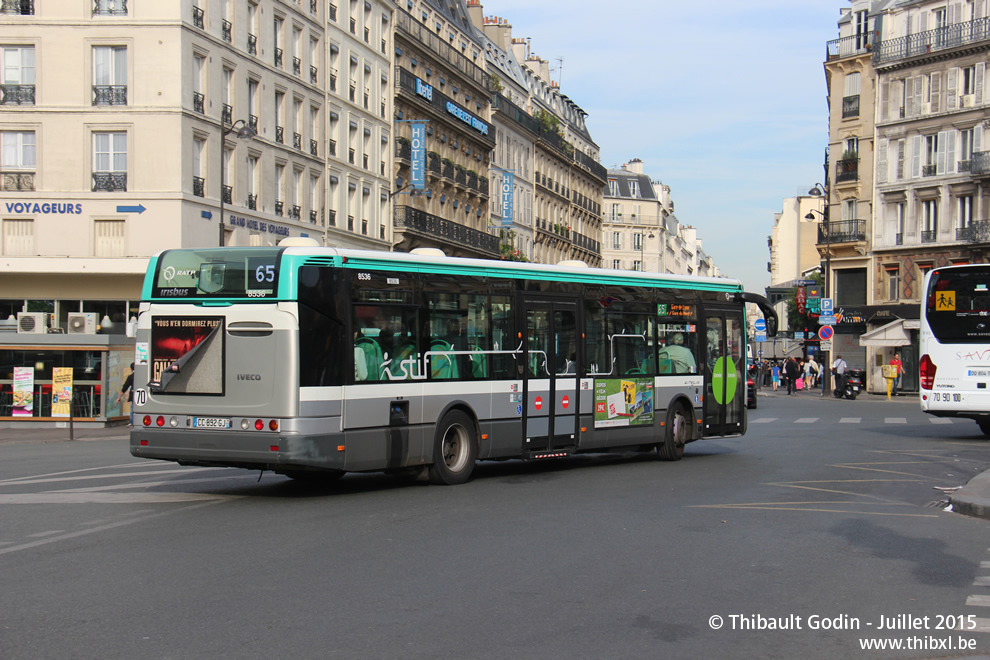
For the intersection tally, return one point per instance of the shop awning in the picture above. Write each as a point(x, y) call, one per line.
point(892, 334)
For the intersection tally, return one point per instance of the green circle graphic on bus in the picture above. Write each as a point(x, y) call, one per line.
point(725, 369)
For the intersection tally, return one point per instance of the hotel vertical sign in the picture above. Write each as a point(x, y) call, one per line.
point(418, 154)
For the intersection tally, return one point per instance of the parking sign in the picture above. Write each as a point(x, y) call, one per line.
point(827, 306)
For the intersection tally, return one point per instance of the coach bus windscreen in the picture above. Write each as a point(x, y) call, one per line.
point(957, 305)
point(217, 273)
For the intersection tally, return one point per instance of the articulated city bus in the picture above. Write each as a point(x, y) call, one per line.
point(311, 362)
point(955, 343)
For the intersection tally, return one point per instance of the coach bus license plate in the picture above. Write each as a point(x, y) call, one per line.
point(211, 422)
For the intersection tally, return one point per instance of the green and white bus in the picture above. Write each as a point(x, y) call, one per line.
point(312, 362)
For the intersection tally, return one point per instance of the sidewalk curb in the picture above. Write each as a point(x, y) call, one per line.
point(973, 499)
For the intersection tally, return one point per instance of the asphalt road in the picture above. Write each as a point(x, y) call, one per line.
point(826, 514)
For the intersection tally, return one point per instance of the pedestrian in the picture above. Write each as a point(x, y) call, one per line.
point(895, 362)
point(775, 375)
point(839, 369)
point(128, 389)
point(810, 372)
point(791, 372)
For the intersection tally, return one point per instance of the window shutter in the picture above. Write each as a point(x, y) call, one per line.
point(977, 137)
point(950, 151)
point(980, 69)
point(943, 138)
point(916, 157)
point(936, 88)
point(882, 146)
point(884, 101)
point(950, 88)
point(919, 93)
point(909, 97)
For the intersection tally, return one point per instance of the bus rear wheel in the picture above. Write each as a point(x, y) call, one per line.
point(455, 450)
point(678, 431)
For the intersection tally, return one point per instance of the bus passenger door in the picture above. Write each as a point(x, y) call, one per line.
point(725, 373)
point(550, 385)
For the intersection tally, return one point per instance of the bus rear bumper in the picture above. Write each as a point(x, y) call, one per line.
point(253, 451)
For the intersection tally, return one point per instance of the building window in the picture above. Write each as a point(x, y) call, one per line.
point(633, 188)
point(637, 241)
point(616, 264)
point(616, 240)
point(967, 80)
point(108, 238)
point(613, 188)
point(893, 283)
point(18, 150)
point(16, 75)
point(964, 212)
point(109, 162)
point(109, 75)
point(899, 223)
point(110, 8)
point(18, 237)
point(929, 220)
point(637, 265)
point(966, 149)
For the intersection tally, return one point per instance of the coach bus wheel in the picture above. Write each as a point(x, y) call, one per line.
point(315, 476)
point(678, 431)
point(454, 450)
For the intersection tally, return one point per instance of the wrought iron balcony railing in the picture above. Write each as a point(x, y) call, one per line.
point(199, 102)
point(227, 114)
point(253, 122)
point(841, 231)
point(312, 216)
point(444, 231)
point(297, 141)
point(252, 44)
point(899, 239)
point(228, 194)
point(403, 150)
point(16, 94)
point(198, 17)
point(312, 7)
point(278, 57)
point(225, 31)
point(199, 185)
point(928, 236)
point(331, 217)
point(313, 77)
point(252, 201)
point(976, 232)
point(280, 134)
point(109, 181)
point(929, 170)
point(109, 94)
point(932, 41)
point(332, 148)
point(847, 170)
point(857, 44)
point(278, 207)
point(110, 8)
point(312, 147)
point(16, 181)
point(979, 162)
point(962, 166)
point(296, 66)
point(350, 223)
point(364, 161)
point(332, 12)
point(295, 212)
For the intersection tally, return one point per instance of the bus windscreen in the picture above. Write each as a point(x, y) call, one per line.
point(957, 305)
point(217, 273)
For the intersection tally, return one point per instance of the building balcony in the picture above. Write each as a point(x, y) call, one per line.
point(976, 232)
point(313, 77)
point(278, 57)
point(253, 122)
point(296, 66)
point(312, 216)
point(443, 231)
point(332, 147)
point(928, 236)
point(295, 212)
point(331, 217)
point(841, 231)
point(929, 170)
point(16, 181)
point(847, 170)
point(109, 94)
point(228, 194)
point(198, 17)
point(16, 94)
point(225, 31)
point(109, 181)
point(110, 8)
point(297, 141)
point(858, 44)
point(312, 147)
point(332, 80)
point(979, 163)
point(280, 134)
point(199, 102)
point(252, 44)
point(227, 114)
point(279, 207)
point(252, 201)
point(932, 41)
point(332, 12)
point(199, 185)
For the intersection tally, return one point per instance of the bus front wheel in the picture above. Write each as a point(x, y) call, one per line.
point(678, 431)
point(454, 450)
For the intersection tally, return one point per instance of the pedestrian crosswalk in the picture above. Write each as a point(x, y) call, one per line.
point(846, 420)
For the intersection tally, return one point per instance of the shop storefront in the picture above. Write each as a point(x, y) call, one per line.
point(46, 379)
point(892, 330)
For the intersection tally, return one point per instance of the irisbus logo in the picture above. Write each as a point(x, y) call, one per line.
point(248, 376)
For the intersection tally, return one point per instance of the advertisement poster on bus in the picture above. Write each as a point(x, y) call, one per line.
point(186, 341)
point(61, 391)
point(23, 392)
point(623, 402)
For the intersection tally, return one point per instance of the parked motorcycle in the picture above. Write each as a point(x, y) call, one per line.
point(850, 384)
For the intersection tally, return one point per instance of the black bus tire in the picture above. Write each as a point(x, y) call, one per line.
point(455, 450)
point(676, 434)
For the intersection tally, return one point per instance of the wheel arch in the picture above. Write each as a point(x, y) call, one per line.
point(468, 410)
point(683, 401)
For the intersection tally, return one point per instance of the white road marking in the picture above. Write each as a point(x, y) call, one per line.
point(982, 582)
point(763, 420)
point(979, 601)
point(110, 498)
point(43, 534)
point(850, 420)
point(939, 420)
point(982, 625)
point(806, 420)
point(895, 420)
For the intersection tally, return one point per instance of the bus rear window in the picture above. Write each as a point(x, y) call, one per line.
point(217, 273)
point(957, 305)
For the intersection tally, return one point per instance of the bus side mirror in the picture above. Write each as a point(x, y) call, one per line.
point(769, 313)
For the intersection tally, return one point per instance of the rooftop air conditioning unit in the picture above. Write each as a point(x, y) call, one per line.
point(82, 324)
point(33, 322)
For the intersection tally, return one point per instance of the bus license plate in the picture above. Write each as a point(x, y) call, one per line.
point(211, 422)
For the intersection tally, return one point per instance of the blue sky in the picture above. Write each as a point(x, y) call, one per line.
point(724, 101)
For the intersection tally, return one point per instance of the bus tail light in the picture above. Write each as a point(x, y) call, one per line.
point(146, 420)
point(160, 421)
point(273, 425)
point(259, 424)
point(927, 369)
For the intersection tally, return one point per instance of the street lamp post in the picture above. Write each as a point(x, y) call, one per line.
point(244, 131)
point(817, 191)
